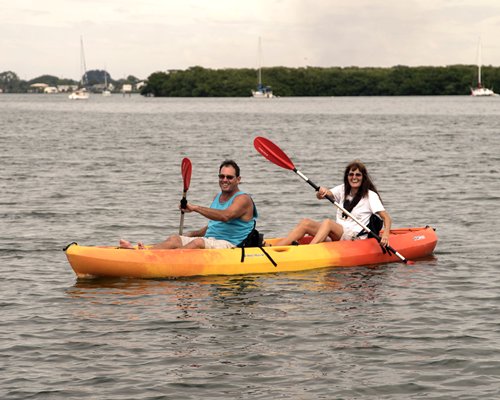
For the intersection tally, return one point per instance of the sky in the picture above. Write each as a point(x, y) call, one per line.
point(139, 37)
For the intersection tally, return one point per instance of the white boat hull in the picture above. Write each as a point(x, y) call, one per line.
point(79, 95)
point(482, 92)
point(262, 95)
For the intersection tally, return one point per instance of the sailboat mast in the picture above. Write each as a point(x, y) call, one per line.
point(84, 65)
point(260, 63)
point(479, 62)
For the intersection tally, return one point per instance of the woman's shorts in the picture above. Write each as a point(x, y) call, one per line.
point(351, 235)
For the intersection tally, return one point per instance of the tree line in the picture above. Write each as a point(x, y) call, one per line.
point(309, 81)
point(314, 81)
point(10, 82)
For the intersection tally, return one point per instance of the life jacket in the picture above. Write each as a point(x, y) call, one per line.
point(375, 225)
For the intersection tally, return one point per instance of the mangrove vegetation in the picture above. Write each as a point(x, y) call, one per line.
point(308, 81)
point(314, 81)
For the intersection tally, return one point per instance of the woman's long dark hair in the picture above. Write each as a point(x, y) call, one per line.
point(366, 184)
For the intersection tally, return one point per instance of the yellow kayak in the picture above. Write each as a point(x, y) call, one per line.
point(99, 261)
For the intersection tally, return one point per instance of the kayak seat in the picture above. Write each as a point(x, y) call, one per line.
point(254, 239)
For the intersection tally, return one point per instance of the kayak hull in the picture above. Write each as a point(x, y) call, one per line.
point(95, 261)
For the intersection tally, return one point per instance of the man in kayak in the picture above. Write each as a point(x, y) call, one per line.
point(232, 216)
point(359, 197)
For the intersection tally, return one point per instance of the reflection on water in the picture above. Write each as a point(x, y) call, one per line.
point(188, 298)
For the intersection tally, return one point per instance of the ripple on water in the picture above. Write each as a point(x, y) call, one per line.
point(387, 332)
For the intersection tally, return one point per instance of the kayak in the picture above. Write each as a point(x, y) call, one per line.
point(105, 261)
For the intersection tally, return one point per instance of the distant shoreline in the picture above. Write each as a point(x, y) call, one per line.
point(288, 82)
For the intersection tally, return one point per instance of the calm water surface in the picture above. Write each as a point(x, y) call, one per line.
point(96, 171)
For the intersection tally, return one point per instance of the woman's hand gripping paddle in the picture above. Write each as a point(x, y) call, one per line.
point(274, 154)
point(186, 178)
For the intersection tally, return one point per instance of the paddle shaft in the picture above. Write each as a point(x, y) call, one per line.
point(316, 187)
point(186, 169)
point(181, 224)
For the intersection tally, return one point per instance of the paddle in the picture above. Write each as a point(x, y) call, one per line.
point(186, 178)
point(274, 154)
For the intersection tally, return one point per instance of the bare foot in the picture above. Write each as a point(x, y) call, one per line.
point(125, 244)
point(140, 246)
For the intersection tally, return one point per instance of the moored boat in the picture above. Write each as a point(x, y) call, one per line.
point(262, 91)
point(106, 92)
point(100, 261)
point(81, 93)
point(480, 90)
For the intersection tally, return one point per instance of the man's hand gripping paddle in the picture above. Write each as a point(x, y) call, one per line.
point(186, 178)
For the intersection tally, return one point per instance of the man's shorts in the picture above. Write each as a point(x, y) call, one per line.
point(210, 243)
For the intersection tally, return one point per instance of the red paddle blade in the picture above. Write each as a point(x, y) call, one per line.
point(186, 172)
point(273, 153)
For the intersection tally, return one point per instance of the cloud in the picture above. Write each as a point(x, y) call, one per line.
point(138, 38)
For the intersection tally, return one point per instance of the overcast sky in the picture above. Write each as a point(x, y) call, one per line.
point(139, 37)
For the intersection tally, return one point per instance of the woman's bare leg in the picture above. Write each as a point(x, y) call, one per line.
point(305, 227)
point(328, 228)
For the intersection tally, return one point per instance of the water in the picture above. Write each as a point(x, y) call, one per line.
point(96, 171)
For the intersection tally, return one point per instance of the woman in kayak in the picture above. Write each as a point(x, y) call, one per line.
point(359, 196)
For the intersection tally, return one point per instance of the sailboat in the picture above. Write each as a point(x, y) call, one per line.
point(479, 90)
point(81, 93)
point(263, 92)
point(106, 91)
